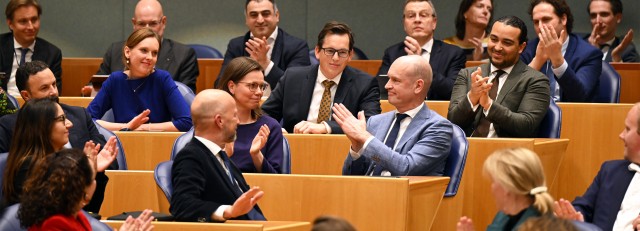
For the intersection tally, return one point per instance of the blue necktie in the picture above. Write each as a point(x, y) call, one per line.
point(391, 140)
point(253, 214)
point(23, 56)
point(552, 81)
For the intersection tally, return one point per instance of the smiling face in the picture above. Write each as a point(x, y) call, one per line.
point(142, 57)
point(60, 130)
point(601, 13)
point(331, 66)
point(261, 18)
point(25, 24)
point(544, 13)
point(504, 48)
point(40, 85)
point(419, 21)
point(479, 13)
point(242, 93)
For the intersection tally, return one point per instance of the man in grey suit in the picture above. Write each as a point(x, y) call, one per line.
point(410, 141)
point(505, 98)
point(174, 57)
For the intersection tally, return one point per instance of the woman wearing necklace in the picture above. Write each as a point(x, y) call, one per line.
point(258, 147)
point(141, 93)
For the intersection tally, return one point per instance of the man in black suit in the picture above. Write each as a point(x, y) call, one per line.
point(605, 16)
point(304, 95)
point(271, 46)
point(35, 81)
point(446, 60)
point(207, 186)
point(22, 45)
point(174, 57)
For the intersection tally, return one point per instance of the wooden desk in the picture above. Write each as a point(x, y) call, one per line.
point(209, 70)
point(145, 150)
point(76, 73)
point(227, 226)
point(72, 101)
point(130, 190)
point(629, 81)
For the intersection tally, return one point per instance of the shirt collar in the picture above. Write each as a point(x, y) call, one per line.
point(413, 112)
point(507, 70)
point(17, 45)
point(565, 44)
point(213, 147)
point(271, 38)
point(428, 46)
point(322, 78)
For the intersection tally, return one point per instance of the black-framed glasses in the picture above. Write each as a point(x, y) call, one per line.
point(254, 86)
point(153, 23)
point(330, 52)
point(61, 118)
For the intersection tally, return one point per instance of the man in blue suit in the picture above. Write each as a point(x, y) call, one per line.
point(611, 201)
point(572, 64)
point(413, 140)
point(419, 20)
point(265, 42)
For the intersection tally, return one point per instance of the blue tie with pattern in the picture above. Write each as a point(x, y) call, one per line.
point(391, 140)
point(253, 214)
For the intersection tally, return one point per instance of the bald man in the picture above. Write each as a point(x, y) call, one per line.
point(176, 58)
point(207, 186)
point(412, 140)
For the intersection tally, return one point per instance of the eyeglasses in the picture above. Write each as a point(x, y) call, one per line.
point(254, 86)
point(153, 23)
point(330, 52)
point(61, 118)
point(412, 15)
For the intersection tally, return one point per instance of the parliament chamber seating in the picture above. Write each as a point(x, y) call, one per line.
point(120, 156)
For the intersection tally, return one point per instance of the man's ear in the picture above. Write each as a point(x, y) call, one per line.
point(25, 95)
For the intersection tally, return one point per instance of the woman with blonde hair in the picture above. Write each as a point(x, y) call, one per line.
point(518, 187)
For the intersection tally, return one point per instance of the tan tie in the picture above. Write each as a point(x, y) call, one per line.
point(325, 103)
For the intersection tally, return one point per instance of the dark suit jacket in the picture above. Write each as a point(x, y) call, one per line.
point(43, 51)
point(602, 200)
point(421, 151)
point(288, 51)
point(174, 57)
point(629, 55)
point(579, 82)
point(446, 61)
point(501, 219)
point(291, 99)
point(201, 185)
point(518, 109)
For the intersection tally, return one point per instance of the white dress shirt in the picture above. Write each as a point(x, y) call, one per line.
point(501, 81)
point(271, 40)
point(426, 53)
point(316, 98)
point(12, 88)
point(630, 204)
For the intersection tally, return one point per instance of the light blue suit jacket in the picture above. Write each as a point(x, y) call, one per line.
point(422, 150)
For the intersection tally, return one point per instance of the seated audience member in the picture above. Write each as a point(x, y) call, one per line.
point(412, 140)
point(59, 186)
point(419, 21)
point(141, 93)
point(42, 128)
point(605, 16)
point(303, 98)
point(36, 81)
point(504, 98)
point(265, 42)
point(546, 223)
point(471, 23)
point(258, 147)
point(572, 65)
point(331, 223)
point(610, 202)
point(174, 57)
point(21, 44)
point(207, 186)
point(518, 187)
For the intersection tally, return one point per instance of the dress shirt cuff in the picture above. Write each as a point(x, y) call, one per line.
point(268, 69)
point(326, 126)
point(561, 69)
point(355, 155)
point(486, 110)
point(473, 108)
point(218, 215)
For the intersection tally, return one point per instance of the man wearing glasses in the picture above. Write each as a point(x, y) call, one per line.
point(446, 60)
point(174, 57)
point(266, 43)
point(304, 95)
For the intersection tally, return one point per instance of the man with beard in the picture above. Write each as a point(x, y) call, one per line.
point(504, 98)
point(207, 186)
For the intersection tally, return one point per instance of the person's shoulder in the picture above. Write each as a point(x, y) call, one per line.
point(357, 74)
point(614, 164)
point(268, 120)
point(582, 46)
point(176, 46)
point(239, 40)
point(160, 73)
point(396, 46)
point(289, 37)
point(6, 36)
point(70, 108)
point(44, 43)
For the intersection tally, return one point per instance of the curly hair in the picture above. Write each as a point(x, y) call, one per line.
point(56, 186)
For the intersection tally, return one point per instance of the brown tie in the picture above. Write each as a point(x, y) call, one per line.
point(325, 103)
point(483, 125)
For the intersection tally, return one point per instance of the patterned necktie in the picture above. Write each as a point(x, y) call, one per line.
point(253, 214)
point(483, 125)
point(390, 142)
point(23, 56)
point(325, 103)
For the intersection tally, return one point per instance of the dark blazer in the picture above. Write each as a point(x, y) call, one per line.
point(501, 219)
point(174, 57)
point(421, 151)
point(201, 185)
point(518, 109)
point(291, 99)
point(288, 51)
point(602, 200)
point(580, 80)
point(446, 61)
point(43, 51)
point(629, 55)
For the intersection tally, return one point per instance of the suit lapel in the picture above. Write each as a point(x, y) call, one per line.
point(216, 164)
point(7, 59)
point(511, 81)
point(278, 45)
point(385, 120)
point(166, 54)
point(247, 36)
point(414, 126)
point(435, 50)
point(306, 92)
point(344, 86)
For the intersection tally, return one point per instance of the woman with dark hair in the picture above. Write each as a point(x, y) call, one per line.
point(472, 21)
point(60, 185)
point(41, 129)
point(141, 93)
point(258, 147)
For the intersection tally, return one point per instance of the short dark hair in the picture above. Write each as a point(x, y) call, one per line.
point(237, 69)
point(27, 70)
point(616, 6)
point(560, 7)
point(275, 8)
point(338, 28)
point(516, 22)
point(433, 8)
point(460, 20)
point(15, 4)
point(331, 223)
